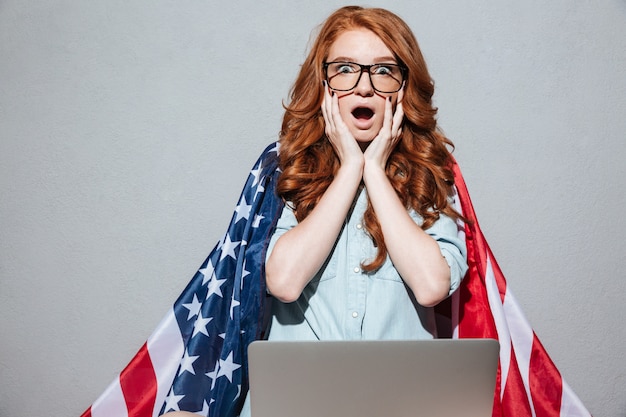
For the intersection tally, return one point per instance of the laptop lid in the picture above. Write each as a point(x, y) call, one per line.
point(434, 378)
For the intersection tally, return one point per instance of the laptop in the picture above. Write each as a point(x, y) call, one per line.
point(434, 378)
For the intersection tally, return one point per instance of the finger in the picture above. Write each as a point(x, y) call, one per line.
point(339, 126)
point(398, 116)
point(387, 118)
point(334, 110)
point(327, 111)
point(398, 135)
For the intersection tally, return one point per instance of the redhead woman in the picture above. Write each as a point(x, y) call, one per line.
point(367, 241)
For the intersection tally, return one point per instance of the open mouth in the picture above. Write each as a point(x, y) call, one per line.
point(362, 113)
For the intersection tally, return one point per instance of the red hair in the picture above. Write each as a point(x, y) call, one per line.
point(419, 168)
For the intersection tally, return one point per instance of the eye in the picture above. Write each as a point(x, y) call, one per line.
point(385, 69)
point(345, 68)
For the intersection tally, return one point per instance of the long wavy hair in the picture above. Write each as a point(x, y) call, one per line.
point(420, 166)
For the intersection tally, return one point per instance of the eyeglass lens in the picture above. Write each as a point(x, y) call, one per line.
point(344, 76)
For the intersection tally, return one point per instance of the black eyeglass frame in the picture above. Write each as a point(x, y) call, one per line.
point(403, 71)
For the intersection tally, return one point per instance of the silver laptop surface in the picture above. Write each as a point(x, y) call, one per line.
point(434, 378)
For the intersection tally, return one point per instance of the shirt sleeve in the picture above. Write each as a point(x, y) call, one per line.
point(445, 231)
point(286, 222)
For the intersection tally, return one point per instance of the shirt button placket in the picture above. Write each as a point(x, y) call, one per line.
point(355, 314)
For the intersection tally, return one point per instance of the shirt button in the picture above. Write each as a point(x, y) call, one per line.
point(357, 269)
point(359, 226)
point(355, 314)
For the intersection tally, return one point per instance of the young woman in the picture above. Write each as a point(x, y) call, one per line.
point(367, 242)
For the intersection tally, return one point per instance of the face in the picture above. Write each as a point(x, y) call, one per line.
point(362, 108)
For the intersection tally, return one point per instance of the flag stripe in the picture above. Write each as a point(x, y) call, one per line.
point(542, 371)
point(522, 339)
point(111, 403)
point(493, 295)
point(166, 347)
point(571, 405)
point(514, 399)
point(138, 384)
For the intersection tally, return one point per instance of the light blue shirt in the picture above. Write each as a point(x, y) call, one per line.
point(342, 302)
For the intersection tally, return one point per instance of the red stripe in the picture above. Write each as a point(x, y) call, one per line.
point(87, 413)
point(515, 400)
point(139, 384)
point(475, 318)
point(546, 385)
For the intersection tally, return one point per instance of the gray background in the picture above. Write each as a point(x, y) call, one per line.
point(127, 130)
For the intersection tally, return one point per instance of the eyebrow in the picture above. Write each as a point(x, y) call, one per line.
point(378, 60)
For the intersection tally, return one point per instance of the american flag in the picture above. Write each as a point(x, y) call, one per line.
point(196, 358)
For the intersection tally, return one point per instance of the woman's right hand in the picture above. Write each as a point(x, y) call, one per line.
point(346, 147)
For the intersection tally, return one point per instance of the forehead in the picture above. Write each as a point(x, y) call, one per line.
point(359, 45)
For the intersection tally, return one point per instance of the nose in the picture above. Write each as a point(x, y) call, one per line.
point(364, 86)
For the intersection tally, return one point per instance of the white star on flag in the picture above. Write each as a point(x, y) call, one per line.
point(200, 324)
point(244, 274)
point(186, 363)
point(275, 149)
point(228, 248)
point(257, 220)
point(215, 288)
point(255, 173)
point(227, 367)
point(193, 307)
point(207, 272)
point(171, 402)
point(242, 210)
point(258, 191)
point(233, 303)
point(214, 374)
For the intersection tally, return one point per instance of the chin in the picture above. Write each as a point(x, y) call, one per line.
point(363, 143)
point(363, 137)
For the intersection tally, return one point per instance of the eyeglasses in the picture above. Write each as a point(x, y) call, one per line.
point(345, 76)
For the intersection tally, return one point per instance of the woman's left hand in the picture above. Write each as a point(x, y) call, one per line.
point(383, 144)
